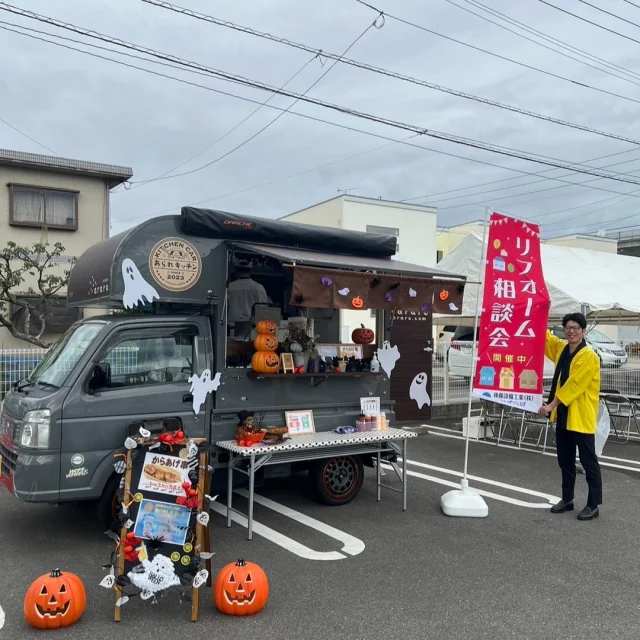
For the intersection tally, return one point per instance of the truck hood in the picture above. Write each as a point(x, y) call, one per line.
point(16, 404)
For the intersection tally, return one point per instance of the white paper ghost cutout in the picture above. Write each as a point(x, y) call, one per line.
point(192, 449)
point(145, 433)
point(202, 385)
point(388, 356)
point(412, 293)
point(121, 601)
point(344, 292)
point(418, 390)
point(200, 578)
point(157, 575)
point(130, 443)
point(203, 518)
point(136, 288)
point(108, 581)
point(453, 307)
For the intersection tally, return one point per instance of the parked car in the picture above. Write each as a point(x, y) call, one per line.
point(461, 351)
point(443, 340)
point(611, 353)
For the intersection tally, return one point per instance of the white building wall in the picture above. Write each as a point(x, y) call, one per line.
point(606, 245)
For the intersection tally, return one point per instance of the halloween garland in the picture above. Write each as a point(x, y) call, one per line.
point(156, 546)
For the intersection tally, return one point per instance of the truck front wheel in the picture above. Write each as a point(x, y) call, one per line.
point(336, 481)
point(108, 503)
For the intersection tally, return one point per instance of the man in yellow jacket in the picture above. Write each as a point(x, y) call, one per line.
point(573, 406)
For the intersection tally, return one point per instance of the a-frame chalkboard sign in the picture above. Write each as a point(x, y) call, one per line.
point(163, 542)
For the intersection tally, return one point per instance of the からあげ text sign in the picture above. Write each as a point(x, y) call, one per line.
point(513, 322)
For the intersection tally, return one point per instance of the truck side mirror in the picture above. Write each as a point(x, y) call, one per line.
point(101, 376)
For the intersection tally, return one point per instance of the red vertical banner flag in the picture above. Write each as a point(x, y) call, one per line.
point(513, 320)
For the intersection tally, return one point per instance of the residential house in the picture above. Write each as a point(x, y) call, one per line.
point(68, 197)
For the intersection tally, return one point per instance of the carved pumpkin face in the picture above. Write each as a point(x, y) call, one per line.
point(362, 335)
point(444, 294)
point(266, 327)
point(265, 362)
point(55, 600)
point(357, 302)
point(241, 589)
point(265, 343)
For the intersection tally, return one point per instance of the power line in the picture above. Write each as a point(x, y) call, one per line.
point(539, 173)
point(595, 24)
point(517, 195)
point(385, 72)
point(391, 140)
point(301, 115)
point(141, 183)
point(477, 144)
point(635, 24)
point(496, 55)
point(633, 4)
point(271, 122)
point(26, 135)
point(548, 38)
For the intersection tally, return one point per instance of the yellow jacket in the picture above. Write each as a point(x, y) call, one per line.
point(581, 392)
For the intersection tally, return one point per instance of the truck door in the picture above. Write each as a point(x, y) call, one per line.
point(150, 364)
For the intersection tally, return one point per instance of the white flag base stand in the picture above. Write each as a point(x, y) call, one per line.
point(464, 502)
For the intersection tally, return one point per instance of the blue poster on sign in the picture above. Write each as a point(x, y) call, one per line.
point(162, 520)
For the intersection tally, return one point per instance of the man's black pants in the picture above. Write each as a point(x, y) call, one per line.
point(566, 442)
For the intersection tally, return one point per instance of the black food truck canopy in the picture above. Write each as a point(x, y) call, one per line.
point(183, 260)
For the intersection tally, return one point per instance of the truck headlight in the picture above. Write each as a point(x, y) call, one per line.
point(34, 431)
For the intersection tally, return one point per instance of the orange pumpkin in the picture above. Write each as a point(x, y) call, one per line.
point(265, 362)
point(241, 589)
point(266, 327)
point(265, 342)
point(362, 335)
point(55, 600)
point(444, 294)
point(357, 302)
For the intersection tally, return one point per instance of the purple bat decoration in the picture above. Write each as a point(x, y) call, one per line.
point(425, 307)
point(388, 297)
point(327, 281)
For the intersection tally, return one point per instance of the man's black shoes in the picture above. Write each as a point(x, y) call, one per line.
point(562, 506)
point(589, 513)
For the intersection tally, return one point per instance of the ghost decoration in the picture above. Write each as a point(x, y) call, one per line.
point(344, 292)
point(388, 356)
point(453, 307)
point(412, 292)
point(156, 576)
point(201, 386)
point(418, 390)
point(136, 289)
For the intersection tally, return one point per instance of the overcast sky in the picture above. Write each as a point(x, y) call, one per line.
point(90, 109)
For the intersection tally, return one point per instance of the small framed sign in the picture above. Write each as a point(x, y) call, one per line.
point(286, 363)
point(300, 422)
point(350, 351)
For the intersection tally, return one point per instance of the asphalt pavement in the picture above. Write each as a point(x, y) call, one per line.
point(520, 573)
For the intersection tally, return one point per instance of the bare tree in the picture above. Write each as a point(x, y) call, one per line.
point(38, 269)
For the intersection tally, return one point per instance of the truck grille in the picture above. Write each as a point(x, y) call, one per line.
point(8, 460)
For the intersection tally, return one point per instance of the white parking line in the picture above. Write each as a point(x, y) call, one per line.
point(525, 447)
point(350, 545)
point(482, 492)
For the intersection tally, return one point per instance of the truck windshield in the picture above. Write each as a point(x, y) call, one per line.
point(55, 367)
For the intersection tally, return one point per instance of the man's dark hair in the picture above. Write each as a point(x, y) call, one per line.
point(578, 318)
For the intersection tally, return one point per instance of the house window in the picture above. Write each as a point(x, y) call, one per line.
point(385, 231)
point(40, 207)
point(439, 256)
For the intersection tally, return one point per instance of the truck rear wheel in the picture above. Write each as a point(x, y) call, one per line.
point(336, 481)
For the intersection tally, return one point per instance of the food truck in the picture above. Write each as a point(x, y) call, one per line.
point(166, 354)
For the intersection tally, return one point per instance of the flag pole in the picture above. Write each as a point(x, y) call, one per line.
point(466, 502)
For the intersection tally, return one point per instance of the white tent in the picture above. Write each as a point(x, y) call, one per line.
point(607, 284)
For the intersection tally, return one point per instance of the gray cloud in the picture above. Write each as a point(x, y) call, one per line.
point(87, 108)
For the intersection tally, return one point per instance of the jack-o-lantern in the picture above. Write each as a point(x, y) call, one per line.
point(357, 302)
point(362, 335)
point(55, 600)
point(266, 327)
point(241, 589)
point(444, 294)
point(265, 362)
point(265, 342)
